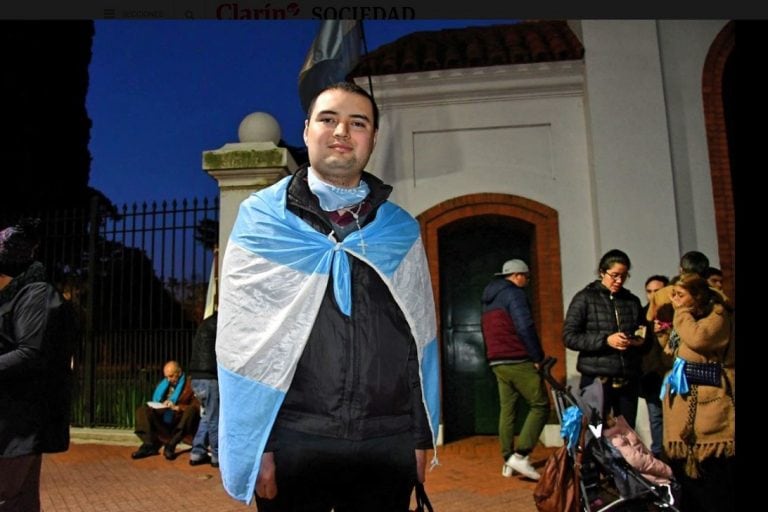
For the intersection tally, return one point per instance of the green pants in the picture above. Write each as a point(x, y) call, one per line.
point(520, 380)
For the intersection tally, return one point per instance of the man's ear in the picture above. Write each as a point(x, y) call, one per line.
point(306, 127)
point(375, 138)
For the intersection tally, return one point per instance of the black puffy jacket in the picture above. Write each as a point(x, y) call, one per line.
point(358, 376)
point(591, 318)
point(38, 330)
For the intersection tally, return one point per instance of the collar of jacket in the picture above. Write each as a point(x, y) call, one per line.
point(600, 287)
point(300, 196)
point(35, 273)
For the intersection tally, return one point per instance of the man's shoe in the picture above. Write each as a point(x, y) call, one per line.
point(506, 471)
point(144, 451)
point(214, 464)
point(204, 459)
point(169, 451)
point(522, 465)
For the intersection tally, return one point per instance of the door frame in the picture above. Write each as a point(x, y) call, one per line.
point(547, 292)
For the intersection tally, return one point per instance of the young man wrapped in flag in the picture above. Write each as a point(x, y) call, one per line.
point(327, 347)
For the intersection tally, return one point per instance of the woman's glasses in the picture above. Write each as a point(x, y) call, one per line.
point(616, 276)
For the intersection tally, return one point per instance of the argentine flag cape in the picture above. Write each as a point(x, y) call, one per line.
point(274, 275)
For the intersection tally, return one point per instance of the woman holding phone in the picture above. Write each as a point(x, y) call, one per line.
point(604, 323)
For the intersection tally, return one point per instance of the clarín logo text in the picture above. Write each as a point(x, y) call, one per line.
point(292, 10)
point(238, 11)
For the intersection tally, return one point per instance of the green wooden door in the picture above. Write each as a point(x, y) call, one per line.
point(471, 250)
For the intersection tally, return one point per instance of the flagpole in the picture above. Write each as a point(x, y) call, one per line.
point(365, 50)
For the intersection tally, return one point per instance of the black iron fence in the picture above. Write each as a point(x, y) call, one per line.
point(139, 277)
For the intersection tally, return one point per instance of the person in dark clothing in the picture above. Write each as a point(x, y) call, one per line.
point(714, 277)
point(326, 343)
point(602, 324)
point(514, 352)
point(205, 384)
point(655, 364)
point(172, 415)
point(38, 329)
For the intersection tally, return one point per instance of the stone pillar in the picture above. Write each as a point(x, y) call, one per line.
point(247, 166)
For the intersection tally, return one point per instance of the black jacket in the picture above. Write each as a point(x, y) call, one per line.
point(38, 329)
point(591, 318)
point(202, 361)
point(358, 376)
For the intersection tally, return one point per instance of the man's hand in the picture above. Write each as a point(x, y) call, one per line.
point(266, 483)
point(618, 341)
point(421, 465)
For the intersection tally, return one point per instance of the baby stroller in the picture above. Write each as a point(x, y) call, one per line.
point(604, 477)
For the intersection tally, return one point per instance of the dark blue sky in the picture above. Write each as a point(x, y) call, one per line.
point(162, 92)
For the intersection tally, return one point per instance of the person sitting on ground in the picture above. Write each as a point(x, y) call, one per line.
point(173, 414)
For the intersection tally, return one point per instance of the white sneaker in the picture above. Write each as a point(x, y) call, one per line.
point(506, 471)
point(522, 465)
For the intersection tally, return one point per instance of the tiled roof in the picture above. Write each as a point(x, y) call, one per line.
point(535, 41)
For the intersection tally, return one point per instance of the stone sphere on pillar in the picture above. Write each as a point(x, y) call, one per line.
point(259, 127)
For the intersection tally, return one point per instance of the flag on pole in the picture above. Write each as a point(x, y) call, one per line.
point(212, 295)
point(333, 54)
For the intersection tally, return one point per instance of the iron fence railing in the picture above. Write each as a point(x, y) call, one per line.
point(139, 276)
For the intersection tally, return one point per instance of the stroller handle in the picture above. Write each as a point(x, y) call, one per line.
point(545, 369)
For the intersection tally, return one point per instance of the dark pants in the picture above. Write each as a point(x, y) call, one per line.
point(619, 400)
point(153, 430)
point(713, 491)
point(650, 387)
point(317, 474)
point(20, 483)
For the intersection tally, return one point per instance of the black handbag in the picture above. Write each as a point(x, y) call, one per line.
point(422, 501)
point(703, 374)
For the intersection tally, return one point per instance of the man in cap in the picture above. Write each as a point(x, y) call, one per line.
point(514, 353)
point(37, 332)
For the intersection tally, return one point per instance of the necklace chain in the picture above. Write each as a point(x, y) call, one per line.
point(356, 215)
point(354, 212)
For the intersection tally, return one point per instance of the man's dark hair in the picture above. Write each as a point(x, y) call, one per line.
point(711, 271)
point(693, 262)
point(658, 277)
point(347, 87)
point(611, 258)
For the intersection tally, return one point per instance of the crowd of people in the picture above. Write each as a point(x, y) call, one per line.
point(677, 352)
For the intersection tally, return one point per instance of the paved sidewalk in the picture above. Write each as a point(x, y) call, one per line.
point(102, 477)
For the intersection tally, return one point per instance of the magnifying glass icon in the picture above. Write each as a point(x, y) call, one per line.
point(189, 14)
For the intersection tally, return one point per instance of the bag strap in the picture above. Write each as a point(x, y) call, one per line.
point(422, 500)
point(578, 460)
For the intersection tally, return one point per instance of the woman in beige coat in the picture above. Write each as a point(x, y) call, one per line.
point(700, 418)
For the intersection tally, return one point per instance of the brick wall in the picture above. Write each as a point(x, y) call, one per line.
point(719, 160)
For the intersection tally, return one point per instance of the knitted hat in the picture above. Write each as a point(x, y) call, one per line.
point(17, 247)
